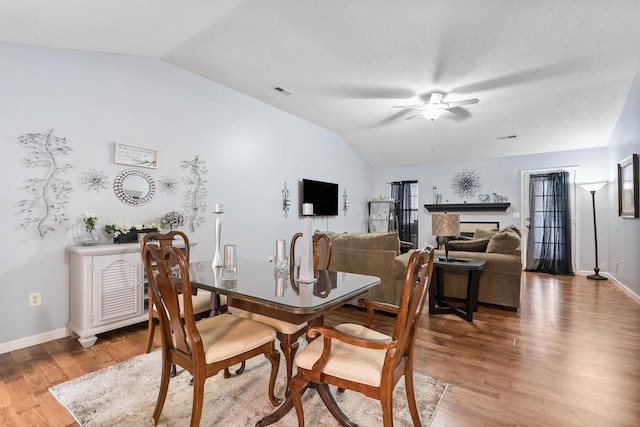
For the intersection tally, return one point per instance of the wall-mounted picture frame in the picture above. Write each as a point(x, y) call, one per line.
point(628, 188)
point(132, 155)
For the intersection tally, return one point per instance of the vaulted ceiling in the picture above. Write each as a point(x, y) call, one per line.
point(549, 75)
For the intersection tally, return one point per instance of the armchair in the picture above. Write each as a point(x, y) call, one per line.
point(362, 359)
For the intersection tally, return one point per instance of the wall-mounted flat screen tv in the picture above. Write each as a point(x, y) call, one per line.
point(323, 195)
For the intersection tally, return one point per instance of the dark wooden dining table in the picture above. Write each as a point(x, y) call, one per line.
point(262, 289)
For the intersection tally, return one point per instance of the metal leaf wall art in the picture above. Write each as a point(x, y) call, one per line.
point(195, 201)
point(48, 194)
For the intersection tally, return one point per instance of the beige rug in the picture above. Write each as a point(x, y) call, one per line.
point(125, 395)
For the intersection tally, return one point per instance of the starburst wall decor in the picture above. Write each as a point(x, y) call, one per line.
point(466, 183)
point(168, 185)
point(94, 180)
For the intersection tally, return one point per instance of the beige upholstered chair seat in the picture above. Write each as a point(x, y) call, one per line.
point(358, 358)
point(278, 325)
point(203, 348)
point(226, 335)
point(201, 302)
point(362, 365)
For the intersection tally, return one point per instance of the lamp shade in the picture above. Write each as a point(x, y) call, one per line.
point(593, 186)
point(445, 224)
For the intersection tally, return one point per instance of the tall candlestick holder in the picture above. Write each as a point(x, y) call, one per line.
point(306, 274)
point(217, 257)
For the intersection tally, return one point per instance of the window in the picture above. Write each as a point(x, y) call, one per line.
point(406, 193)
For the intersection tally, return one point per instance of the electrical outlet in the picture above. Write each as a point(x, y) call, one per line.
point(35, 299)
point(603, 266)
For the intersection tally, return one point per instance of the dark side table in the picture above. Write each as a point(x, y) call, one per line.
point(437, 304)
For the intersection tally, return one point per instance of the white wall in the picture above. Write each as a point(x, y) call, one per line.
point(624, 233)
point(94, 99)
point(503, 175)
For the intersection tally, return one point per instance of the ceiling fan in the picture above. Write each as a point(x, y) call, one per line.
point(436, 108)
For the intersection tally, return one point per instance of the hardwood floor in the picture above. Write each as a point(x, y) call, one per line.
point(569, 357)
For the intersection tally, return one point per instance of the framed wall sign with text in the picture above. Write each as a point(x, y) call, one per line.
point(135, 156)
point(628, 198)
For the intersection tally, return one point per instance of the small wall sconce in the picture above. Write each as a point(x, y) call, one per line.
point(345, 202)
point(286, 201)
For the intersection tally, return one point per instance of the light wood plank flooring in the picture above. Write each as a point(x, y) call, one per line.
point(569, 357)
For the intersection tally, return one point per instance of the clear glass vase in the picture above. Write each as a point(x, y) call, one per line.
point(84, 236)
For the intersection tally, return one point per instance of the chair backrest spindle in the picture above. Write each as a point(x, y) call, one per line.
point(414, 294)
point(159, 261)
point(326, 259)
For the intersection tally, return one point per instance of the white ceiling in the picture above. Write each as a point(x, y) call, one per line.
point(553, 72)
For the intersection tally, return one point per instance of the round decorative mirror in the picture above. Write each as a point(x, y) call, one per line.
point(134, 187)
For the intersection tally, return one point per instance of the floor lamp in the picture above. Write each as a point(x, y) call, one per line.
point(593, 188)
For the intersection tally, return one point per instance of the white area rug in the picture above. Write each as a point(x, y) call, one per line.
point(125, 395)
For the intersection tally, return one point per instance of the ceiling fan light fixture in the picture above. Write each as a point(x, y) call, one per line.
point(432, 113)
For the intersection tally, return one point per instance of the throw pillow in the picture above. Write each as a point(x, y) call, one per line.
point(476, 245)
point(482, 233)
point(512, 228)
point(504, 242)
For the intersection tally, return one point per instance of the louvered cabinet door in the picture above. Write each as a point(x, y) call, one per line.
point(117, 288)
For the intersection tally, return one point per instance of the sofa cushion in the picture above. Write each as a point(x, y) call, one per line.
point(504, 242)
point(481, 233)
point(369, 241)
point(475, 245)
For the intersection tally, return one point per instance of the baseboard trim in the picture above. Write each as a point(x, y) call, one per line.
point(625, 289)
point(616, 282)
point(18, 344)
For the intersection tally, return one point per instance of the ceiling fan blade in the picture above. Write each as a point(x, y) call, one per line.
point(412, 117)
point(458, 114)
point(463, 102)
point(413, 107)
point(388, 120)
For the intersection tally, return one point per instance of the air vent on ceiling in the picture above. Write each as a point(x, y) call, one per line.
point(502, 138)
point(282, 90)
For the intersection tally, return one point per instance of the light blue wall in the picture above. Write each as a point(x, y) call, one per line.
point(250, 148)
point(94, 100)
point(503, 175)
point(624, 233)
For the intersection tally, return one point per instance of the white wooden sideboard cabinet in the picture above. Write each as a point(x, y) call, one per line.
point(107, 289)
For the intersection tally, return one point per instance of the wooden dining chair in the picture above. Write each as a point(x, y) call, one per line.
point(289, 333)
point(317, 238)
point(204, 347)
point(201, 298)
point(361, 359)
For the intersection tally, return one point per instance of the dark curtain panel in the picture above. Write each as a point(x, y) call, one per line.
point(549, 242)
point(406, 193)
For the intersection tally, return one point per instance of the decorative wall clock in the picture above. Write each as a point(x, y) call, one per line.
point(466, 183)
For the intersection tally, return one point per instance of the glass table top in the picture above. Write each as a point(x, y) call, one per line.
point(260, 281)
